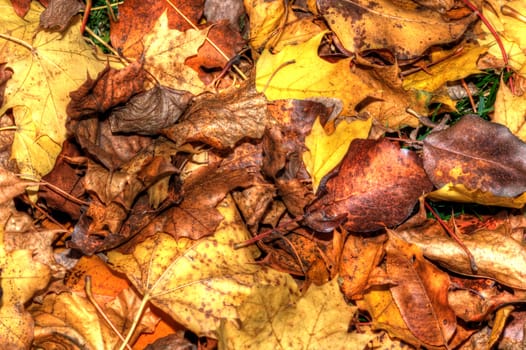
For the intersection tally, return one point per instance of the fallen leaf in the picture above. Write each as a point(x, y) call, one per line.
point(325, 151)
point(406, 31)
point(45, 70)
point(497, 255)
point(510, 111)
point(149, 112)
point(298, 72)
point(318, 320)
point(422, 286)
point(59, 14)
point(109, 89)
point(373, 176)
point(137, 18)
point(265, 17)
point(166, 51)
point(479, 155)
point(222, 121)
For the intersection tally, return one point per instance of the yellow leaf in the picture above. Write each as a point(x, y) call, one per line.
point(510, 29)
point(21, 277)
point(451, 69)
point(47, 66)
point(265, 17)
point(326, 151)
point(166, 52)
point(510, 111)
point(459, 193)
point(318, 320)
point(298, 72)
point(176, 274)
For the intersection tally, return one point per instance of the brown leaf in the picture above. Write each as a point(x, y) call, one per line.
point(218, 10)
point(10, 186)
point(137, 17)
point(67, 177)
point(5, 75)
point(497, 255)
point(149, 112)
point(59, 13)
point(208, 58)
point(223, 120)
point(420, 286)
point(376, 186)
point(360, 256)
point(110, 88)
point(479, 155)
point(96, 139)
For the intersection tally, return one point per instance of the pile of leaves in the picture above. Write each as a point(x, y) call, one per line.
point(262, 175)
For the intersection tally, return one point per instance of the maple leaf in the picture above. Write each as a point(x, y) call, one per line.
point(166, 51)
point(175, 274)
point(46, 67)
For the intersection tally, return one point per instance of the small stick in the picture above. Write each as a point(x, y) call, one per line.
point(455, 237)
point(470, 96)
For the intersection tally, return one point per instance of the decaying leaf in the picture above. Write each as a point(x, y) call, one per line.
point(419, 285)
point(45, 71)
point(223, 120)
point(175, 274)
point(479, 155)
point(59, 13)
point(318, 320)
point(497, 255)
point(373, 176)
point(149, 112)
point(326, 151)
point(406, 30)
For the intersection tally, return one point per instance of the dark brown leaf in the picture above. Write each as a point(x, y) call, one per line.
point(149, 112)
point(110, 88)
point(58, 14)
point(376, 186)
point(479, 155)
point(222, 121)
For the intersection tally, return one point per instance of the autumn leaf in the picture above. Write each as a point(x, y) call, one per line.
point(45, 69)
point(174, 274)
point(509, 111)
point(326, 151)
point(166, 51)
point(318, 320)
point(480, 156)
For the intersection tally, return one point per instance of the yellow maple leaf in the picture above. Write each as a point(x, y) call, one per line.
point(166, 52)
point(451, 69)
point(175, 274)
point(325, 152)
point(504, 16)
point(298, 72)
point(318, 320)
point(47, 66)
point(510, 111)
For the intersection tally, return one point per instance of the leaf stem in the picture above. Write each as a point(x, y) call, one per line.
point(18, 41)
point(136, 320)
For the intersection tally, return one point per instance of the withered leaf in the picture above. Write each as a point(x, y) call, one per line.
point(110, 88)
point(58, 14)
point(223, 120)
point(21, 7)
point(420, 286)
point(376, 186)
point(149, 112)
point(497, 255)
point(96, 139)
point(479, 155)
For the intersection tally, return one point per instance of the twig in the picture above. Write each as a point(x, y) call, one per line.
point(455, 237)
point(470, 96)
point(89, 294)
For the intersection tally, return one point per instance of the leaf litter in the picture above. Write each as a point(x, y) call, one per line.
point(260, 191)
